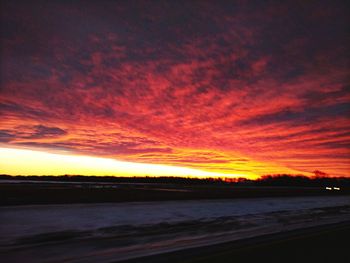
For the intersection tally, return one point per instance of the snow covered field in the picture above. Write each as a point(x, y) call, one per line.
point(124, 230)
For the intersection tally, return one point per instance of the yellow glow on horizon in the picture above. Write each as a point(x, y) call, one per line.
point(32, 162)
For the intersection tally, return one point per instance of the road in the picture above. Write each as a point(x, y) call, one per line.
point(317, 244)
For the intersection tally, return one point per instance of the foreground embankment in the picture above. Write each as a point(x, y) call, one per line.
point(111, 232)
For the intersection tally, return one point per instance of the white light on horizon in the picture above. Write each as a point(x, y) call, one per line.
point(32, 162)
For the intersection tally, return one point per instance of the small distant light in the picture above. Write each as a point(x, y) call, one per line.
point(329, 188)
point(336, 188)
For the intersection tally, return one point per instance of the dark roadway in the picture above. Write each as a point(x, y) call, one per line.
point(317, 244)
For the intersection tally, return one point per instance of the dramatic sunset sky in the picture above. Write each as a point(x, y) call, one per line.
point(199, 88)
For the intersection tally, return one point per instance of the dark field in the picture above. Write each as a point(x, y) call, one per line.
point(40, 192)
point(112, 221)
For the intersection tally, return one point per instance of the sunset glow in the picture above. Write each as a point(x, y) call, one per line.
point(178, 88)
point(28, 162)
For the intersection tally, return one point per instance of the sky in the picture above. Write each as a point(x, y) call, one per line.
point(231, 88)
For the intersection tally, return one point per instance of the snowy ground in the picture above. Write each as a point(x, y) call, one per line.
point(111, 232)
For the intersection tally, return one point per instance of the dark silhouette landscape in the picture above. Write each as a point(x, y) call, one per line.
point(19, 190)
